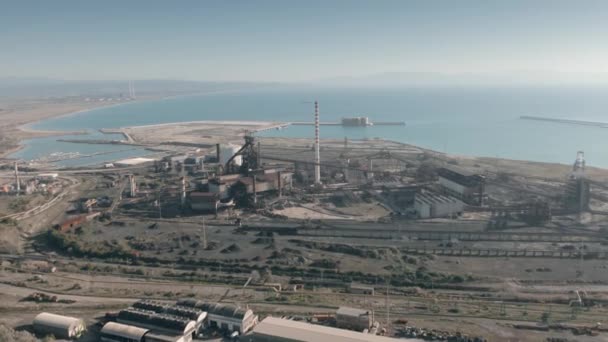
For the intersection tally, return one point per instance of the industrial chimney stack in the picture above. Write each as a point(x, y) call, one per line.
point(317, 148)
point(17, 180)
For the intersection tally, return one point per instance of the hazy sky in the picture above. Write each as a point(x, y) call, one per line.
point(297, 40)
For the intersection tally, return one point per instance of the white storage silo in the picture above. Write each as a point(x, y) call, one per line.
point(227, 151)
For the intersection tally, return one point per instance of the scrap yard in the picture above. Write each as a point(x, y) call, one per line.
point(225, 232)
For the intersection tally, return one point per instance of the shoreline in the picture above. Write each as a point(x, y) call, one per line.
point(31, 133)
point(26, 127)
point(28, 132)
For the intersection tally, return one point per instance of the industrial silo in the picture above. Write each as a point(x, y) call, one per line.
point(227, 151)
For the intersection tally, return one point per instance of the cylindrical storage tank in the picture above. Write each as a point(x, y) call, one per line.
point(227, 151)
point(116, 332)
point(58, 326)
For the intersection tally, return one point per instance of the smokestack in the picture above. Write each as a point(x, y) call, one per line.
point(183, 192)
point(255, 194)
point(280, 185)
point(258, 155)
point(132, 186)
point(17, 180)
point(317, 148)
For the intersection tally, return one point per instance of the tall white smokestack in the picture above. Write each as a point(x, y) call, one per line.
point(132, 186)
point(317, 148)
point(183, 201)
point(17, 180)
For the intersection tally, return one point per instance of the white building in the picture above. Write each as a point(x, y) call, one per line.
point(463, 184)
point(58, 326)
point(116, 332)
point(48, 176)
point(273, 329)
point(354, 319)
point(163, 327)
point(429, 205)
point(224, 317)
point(185, 312)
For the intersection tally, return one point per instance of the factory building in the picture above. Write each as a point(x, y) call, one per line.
point(354, 319)
point(204, 201)
point(462, 184)
point(116, 332)
point(59, 326)
point(361, 289)
point(269, 181)
point(46, 177)
point(224, 317)
point(189, 313)
point(273, 329)
point(577, 195)
point(221, 185)
point(431, 205)
point(163, 327)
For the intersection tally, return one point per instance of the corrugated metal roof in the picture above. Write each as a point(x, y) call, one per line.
point(226, 310)
point(460, 171)
point(156, 336)
point(123, 330)
point(151, 318)
point(56, 321)
point(432, 198)
point(173, 310)
point(306, 332)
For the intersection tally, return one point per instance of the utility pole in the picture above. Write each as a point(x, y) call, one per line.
point(160, 212)
point(204, 235)
point(388, 309)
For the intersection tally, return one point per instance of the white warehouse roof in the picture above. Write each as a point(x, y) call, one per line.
point(346, 311)
point(125, 331)
point(306, 332)
point(133, 161)
point(60, 326)
point(48, 175)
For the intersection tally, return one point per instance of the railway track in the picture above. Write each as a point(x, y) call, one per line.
point(500, 252)
point(452, 235)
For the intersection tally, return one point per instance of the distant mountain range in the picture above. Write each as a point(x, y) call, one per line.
point(46, 87)
point(396, 79)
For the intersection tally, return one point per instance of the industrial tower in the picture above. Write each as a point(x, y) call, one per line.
point(17, 180)
point(131, 90)
point(317, 148)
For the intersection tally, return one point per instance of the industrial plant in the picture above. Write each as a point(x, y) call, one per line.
point(227, 233)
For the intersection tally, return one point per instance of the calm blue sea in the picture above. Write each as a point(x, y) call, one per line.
point(465, 121)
